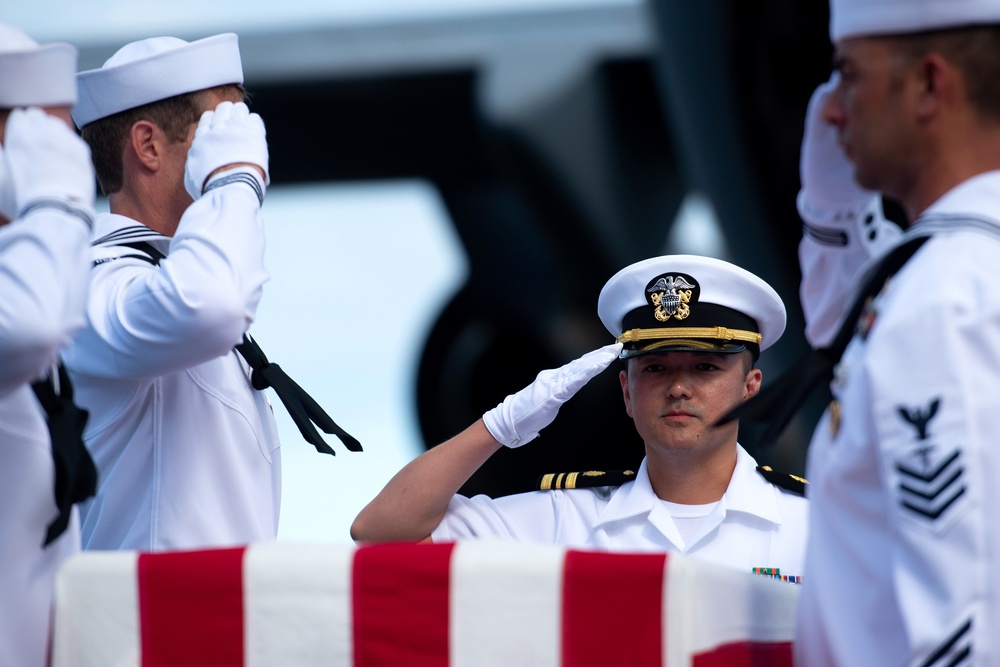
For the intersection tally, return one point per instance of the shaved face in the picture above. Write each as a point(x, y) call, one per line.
point(675, 398)
point(874, 111)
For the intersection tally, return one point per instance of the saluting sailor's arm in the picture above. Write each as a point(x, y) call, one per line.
point(415, 501)
point(843, 229)
point(48, 190)
point(200, 300)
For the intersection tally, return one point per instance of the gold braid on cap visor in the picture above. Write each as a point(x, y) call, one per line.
point(713, 333)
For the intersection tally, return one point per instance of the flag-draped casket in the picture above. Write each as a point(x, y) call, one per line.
point(472, 604)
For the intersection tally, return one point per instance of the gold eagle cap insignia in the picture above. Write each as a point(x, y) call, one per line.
point(671, 297)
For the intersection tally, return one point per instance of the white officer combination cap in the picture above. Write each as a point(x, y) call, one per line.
point(33, 74)
point(860, 18)
point(690, 303)
point(154, 69)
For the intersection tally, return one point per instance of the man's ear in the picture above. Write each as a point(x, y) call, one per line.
point(626, 394)
point(145, 144)
point(752, 383)
point(938, 81)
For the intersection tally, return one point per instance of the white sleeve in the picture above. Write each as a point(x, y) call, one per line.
point(44, 267)
point(933, 391)
point(523, 517)
point(832, 258)
point(148, 320)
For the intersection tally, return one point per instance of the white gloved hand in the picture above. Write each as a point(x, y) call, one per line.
point(829, 195)
point(229, 135)
point(844, 226)
point(8, 202)
point(47, 164)
point(521, 416)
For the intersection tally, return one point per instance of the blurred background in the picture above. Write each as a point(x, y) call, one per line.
point(453, 181)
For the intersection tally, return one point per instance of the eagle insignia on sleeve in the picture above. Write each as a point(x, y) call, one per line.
point(929, 483)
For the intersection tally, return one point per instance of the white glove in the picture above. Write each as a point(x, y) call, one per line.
point(845, 227)
point(533, 408)
point(47, 164)
point(8, 202)
point(829, 195)
point(226, 136)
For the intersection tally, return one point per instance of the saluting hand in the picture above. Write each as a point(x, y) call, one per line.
point(521, 416)
point(46, 164)
point(228, 137)
point(830, 195)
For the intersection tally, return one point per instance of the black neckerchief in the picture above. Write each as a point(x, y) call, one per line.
point(776, 404)
point(76, 475)
point(304, 410)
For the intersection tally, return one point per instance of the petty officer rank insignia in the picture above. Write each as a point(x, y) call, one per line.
point(672, 295)
point(930, 478)
point(583, 480)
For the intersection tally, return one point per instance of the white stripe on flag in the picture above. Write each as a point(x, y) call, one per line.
point(707, 606)
point(505, 604)
point(297, 605)
point(97, 611)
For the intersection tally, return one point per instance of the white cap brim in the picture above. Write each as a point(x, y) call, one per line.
point(156, 69)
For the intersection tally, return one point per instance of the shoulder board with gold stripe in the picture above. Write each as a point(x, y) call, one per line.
point(584, 480)
point(793, 483)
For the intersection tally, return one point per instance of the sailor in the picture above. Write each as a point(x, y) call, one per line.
point(902, 553)
point(689, 330)
point(46, 213)
point(186, 447)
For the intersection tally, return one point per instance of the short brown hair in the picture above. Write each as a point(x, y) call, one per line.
point(108, 136)
point(974, 50)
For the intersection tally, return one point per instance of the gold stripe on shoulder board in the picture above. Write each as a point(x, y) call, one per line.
point(546, 483)
point(585, 479)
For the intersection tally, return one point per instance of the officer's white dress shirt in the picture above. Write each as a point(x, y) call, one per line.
point(755, 524)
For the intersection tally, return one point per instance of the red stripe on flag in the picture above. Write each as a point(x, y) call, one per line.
point(191, 608)
point(400, 599)
point(747, 654)
point(612, 609)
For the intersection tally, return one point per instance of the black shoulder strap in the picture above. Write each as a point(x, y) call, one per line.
point(783, 480)
point(76, 475)
point(303, 408)
point(777, 403)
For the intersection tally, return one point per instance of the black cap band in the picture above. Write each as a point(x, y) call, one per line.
point(709, 328)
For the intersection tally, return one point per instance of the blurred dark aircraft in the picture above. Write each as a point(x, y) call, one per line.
point(563, 143)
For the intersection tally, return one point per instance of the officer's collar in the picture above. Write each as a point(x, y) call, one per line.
point(748, 493)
